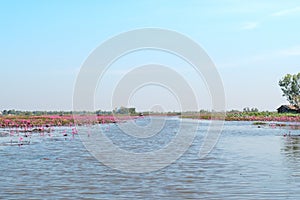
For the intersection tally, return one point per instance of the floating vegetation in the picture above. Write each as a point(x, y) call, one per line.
point(259, 123)
point(291, 126)
point(43, 123)
point(21, 130)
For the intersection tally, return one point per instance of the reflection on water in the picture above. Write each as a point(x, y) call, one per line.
point(247, 163)
point(291, 151)
point(292, 146)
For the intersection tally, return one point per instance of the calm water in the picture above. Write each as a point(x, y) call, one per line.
point(247, 163)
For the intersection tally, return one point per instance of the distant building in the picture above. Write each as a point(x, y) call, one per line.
point(0, 112)
point(288, 109)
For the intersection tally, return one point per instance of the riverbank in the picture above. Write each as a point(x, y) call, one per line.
point(46, 121)
point(247, 116)
point(33, 121)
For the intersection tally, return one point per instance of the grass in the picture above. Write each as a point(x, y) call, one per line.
point(30, 121)
point(247, 116)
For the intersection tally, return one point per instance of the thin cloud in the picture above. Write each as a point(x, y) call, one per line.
point(262, 57)
point(294, 51)
point(286, 12)
point(254, 25)
point(250, 25)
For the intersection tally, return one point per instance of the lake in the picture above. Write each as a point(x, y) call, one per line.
point(247, 163)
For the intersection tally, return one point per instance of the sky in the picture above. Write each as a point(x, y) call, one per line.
point(43, 45)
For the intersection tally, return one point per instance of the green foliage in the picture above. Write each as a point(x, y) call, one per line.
point(101, 112)
point(124, 111)
point(35, 113)
point(131, 111)
point(247, 110)
point(259, 123)
point(290, 86)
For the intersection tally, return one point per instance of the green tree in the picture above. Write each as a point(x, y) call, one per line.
point(247, 109)
point(290, 86)
point(254, 110)
point(131, 111)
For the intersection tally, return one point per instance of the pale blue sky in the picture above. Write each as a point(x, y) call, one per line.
point(44, 43)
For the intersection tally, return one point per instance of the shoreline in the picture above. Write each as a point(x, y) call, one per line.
point(255, 117)
point(40, 123)
point(46, 121)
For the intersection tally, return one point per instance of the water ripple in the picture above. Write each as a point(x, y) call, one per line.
point(247, 163)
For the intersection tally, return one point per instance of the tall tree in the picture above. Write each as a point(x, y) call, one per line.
point(290, 86)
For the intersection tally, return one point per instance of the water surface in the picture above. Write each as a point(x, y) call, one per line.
point(247, 163)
